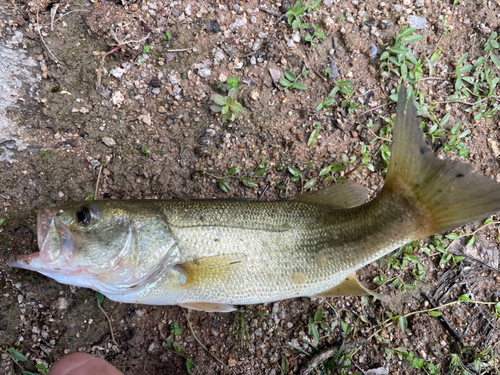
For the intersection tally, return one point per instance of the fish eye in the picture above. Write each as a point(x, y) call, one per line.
point(83, 215)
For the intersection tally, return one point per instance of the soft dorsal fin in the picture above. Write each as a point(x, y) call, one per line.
point(209, 269)
point(350, 287)
point(342, 195)
point(208, 307)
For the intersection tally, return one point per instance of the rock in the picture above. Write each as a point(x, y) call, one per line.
point(117, 98)
point(417, 22)
point(494, 148)
point(162, 109)
point(219, 56)
point(253, 60)
point(296, 37)
point(204, 73)
point(174, 78)
point(253, 19)
point(254, 95)
point(108, 141)
point(239, 23)
point(202, 151)
point(181, 17)
point(290, 43)
point(203, 141)
point(285, 5)
point(62, 303)
point(397, 8)
point(156, 91)
point(257, 44)
point(329, 24)
point(328, 2)
point(155, 82)
point(212, 26)
point(145, 118)
point(117, 72)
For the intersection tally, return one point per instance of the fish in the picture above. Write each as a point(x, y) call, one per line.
point(214, 255)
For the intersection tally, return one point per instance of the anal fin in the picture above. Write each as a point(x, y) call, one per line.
point(350, 287)
point(208, 307)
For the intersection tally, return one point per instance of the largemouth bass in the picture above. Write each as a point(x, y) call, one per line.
point(214, 254)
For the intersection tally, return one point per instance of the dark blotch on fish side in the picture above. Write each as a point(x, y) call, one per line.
point(202, 151)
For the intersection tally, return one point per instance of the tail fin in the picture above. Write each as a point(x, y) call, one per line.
point(446, 194)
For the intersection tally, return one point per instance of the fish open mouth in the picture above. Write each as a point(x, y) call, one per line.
point(55, 243)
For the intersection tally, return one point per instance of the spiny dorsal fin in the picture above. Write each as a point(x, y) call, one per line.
point(350, 287)
point(342, 195)
point(208, 307)
point(209, 269)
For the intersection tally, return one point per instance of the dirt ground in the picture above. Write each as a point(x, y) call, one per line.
point(137, 123)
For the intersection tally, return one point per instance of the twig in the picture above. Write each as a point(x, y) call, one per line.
point(271, 12)
point(41, 38)
point(197, 339)
point(98, 176)
point(374, 108)
point(110, 326)
point(64, 15)
point(179, 50)
point(53, 12)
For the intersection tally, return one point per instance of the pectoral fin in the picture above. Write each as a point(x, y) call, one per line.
point(350, 287)
point(208, 307)
point(209, 270)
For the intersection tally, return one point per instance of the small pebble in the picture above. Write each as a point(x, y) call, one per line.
point(417, 22)
point(204, 73)
point(108, 141)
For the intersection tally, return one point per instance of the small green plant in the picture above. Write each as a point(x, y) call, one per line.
point(336, 167)
point(140, 60)
point(228, 106)
point(399, 60)
point(316, 34)
point(175, 331)
point(404, 258)
point(167, 36)
point(316, 321)
point(20, 357)
point(146, 150)
point(146, 48)
point(291, 82)
point(233, 173)
point(239, 327)
point(479, 81)
point(295, 14)
point(2, 221)
point(297, 176)
point(233, 83)
point(346, 91)
point(313, 138)
point(89, 197)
